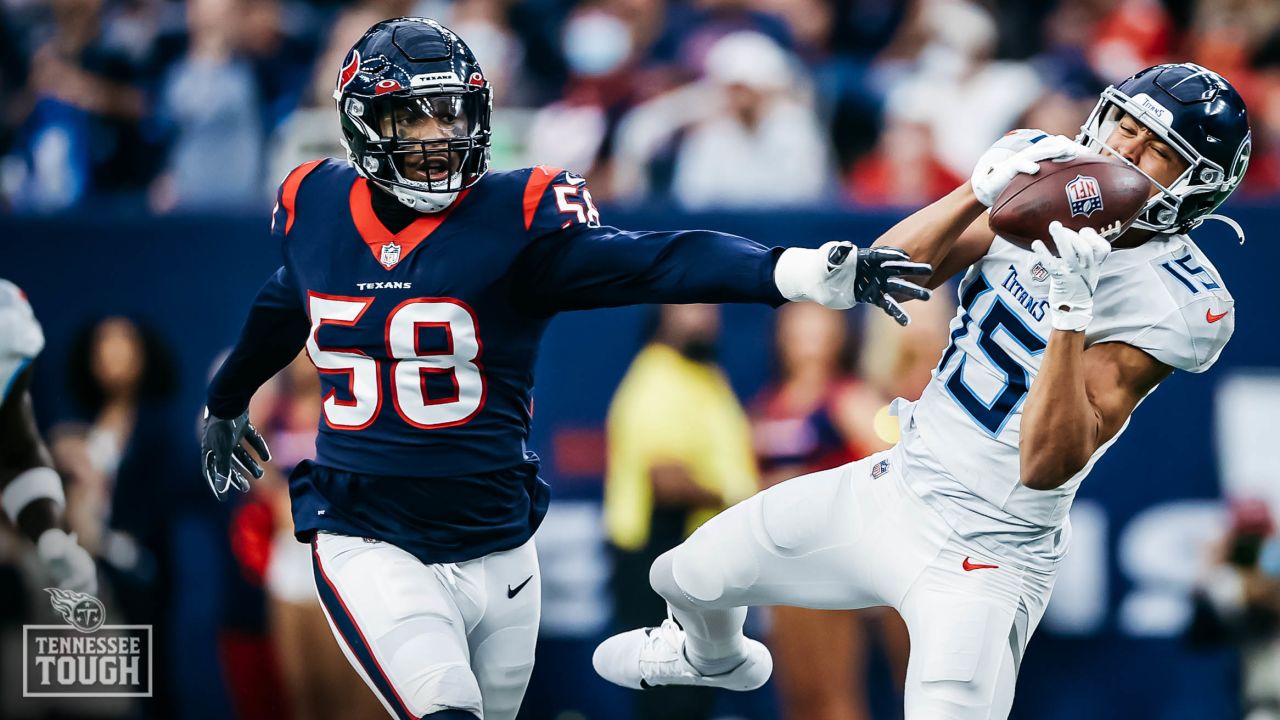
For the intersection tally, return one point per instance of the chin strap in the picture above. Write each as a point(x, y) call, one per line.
point(1234, 225)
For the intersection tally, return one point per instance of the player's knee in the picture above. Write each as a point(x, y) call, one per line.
point(445, 687)
point(950, 700)
point(703, 570)
point(504, 661)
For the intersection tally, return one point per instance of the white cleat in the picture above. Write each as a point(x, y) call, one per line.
point(654, 656)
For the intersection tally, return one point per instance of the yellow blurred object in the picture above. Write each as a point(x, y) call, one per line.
point(886, 426)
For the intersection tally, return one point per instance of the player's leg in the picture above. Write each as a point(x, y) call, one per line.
point(839, 538)
point(397, 621)
point(504, 637)
point(969, 630)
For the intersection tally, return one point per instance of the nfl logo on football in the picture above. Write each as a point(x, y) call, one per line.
point(390, 255)
point(85, 657)
point(1084, 195)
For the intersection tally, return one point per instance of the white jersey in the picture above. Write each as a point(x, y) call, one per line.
point(961, 438)
point(21, 339)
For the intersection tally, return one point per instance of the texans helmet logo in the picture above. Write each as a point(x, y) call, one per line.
point(349, 70)
point(1085, 195)
point(386, 86)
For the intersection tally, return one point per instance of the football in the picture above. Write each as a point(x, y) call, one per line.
point(1090, 191)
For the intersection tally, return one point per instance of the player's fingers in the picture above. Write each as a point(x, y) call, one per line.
point(1026, 166)
point(894, 310)
point(1067, 241)
point(246, 462)
point(907, 268)
point(256, 442)
point(238, 480)
point(903, 290)
point(216, 483)
point(1041, 250)
point(888, 253)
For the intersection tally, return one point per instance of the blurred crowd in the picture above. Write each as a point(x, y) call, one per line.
point(206, 104)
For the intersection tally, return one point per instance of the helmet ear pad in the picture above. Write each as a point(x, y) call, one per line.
point(406, 62)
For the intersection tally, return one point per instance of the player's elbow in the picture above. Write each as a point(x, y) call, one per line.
point(1050, 470)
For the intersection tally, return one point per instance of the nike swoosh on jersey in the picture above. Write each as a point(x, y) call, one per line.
point(970, 566)
point(1211, 316)
point(512, 592)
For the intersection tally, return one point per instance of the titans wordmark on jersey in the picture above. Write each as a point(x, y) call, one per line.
point(1163, 297)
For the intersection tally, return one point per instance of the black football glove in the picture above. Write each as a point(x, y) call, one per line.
point(220, 445)
point(879, 278)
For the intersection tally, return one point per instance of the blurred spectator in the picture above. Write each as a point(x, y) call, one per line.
point(967, 98)
point(679, 451)
point(121, 375)
point(903, 170)
point(749, 139)
point(817, 415)
point(211, 100)
point(81, 132)
point(1237, 602)
point(311, 131)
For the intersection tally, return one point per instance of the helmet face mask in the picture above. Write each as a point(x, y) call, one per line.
point(415, 112)
point(1197, 114)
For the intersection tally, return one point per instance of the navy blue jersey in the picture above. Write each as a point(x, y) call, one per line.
point(425, 341)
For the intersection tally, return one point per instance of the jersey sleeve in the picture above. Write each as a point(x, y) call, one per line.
point(21, 338)
point(574, 262)
point(273, 334)
point(1189, 337)
point(1176, 309)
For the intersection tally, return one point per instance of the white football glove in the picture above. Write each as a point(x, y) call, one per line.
point(70, 566)
point(1074, 274)
point(999, 165)
point(838, 275)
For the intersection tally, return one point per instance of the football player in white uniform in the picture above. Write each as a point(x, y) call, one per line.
point(961, 526)
point(30, 490)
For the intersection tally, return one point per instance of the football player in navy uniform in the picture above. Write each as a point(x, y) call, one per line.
point(420, 285)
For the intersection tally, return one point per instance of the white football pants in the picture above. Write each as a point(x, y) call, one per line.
point(852, 537)
point(427, 638)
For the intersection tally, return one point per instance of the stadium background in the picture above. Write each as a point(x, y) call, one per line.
point(142, 140)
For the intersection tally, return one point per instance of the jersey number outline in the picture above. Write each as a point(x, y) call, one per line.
point(410, 366)
point(1191, 272)
point(1017, 379)
point(585, 211)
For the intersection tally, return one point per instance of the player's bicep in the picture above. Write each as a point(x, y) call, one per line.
point(1117, 377)
point(972, 245)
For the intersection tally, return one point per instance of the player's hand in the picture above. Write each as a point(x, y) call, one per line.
point(880, 280)
point(220, 446)
point(1073, 274)
point(1000, 164)
point(69, 565)
point(838, 275)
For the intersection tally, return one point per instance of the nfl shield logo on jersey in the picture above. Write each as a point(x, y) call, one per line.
point(1039, 273)
point(390, 255)
point(1084, 195)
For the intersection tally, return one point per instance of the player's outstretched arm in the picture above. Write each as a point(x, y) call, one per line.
point(273, 334)
point(575, 263)
point(1081, 397)
point(32, 493)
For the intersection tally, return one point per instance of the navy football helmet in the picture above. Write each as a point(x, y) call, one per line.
point(415, 110)
point(1198, 114)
